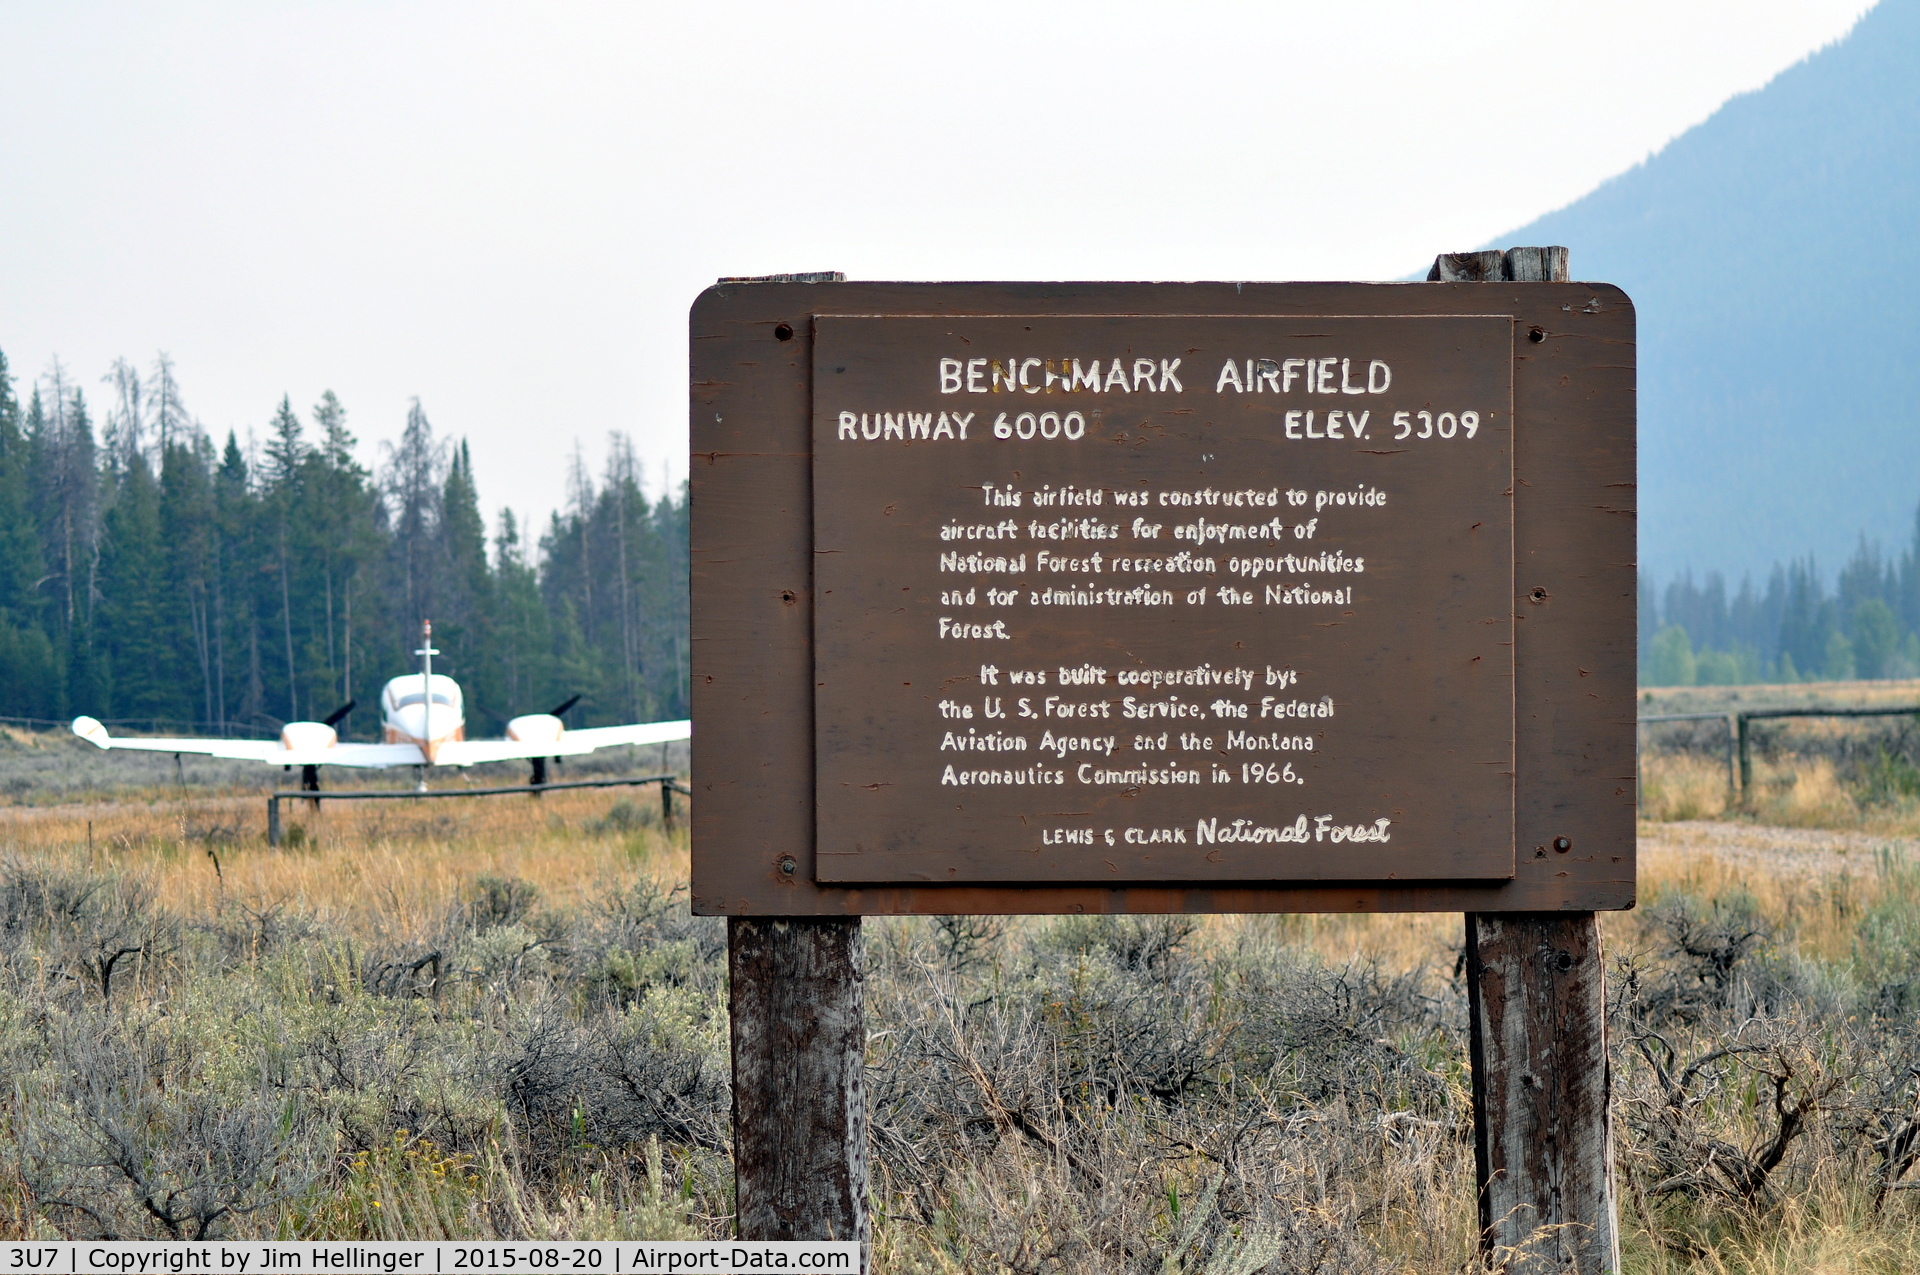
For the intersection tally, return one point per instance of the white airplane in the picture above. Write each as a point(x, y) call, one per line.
point(424, 724)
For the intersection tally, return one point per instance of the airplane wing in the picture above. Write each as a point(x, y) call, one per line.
point(643, 733)
point(573, 743)
point(366, 756)
point(94, 733)
point(474, 752)
point(264, 750)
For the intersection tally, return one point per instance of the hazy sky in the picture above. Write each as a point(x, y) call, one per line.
point(506, 210)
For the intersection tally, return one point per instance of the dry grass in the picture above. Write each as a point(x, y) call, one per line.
point(367, 867)
point(1878, 792)
point(1682, 786)
point(1232, 1094)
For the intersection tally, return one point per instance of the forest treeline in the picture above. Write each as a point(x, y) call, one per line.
point(151, 573)
point(1694, 633)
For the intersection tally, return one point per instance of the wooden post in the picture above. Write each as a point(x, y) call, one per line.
point(273, 821)
point(799, 1100)
point(1639, 770)
point(796, 1004)
point(1536, 991)
point(1542, 1147)
point(1745, 746)
point(1733, 754)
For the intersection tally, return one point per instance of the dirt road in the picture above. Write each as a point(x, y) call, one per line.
point(1760, 848)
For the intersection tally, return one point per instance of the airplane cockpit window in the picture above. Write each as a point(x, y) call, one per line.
point(417, 698)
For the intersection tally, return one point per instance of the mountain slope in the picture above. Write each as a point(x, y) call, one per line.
point(1773, 253)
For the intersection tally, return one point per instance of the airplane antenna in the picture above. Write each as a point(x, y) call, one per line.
point(426, 654)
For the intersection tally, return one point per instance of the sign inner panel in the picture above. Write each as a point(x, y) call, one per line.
point(1121, 599)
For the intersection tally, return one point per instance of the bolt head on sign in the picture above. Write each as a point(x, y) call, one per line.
point(1186, 601)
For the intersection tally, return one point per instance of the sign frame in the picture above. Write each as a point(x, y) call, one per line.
point(1574, 653)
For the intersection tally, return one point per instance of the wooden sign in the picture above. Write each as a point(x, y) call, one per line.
point(1162, 597)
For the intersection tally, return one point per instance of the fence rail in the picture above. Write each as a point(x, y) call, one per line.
point(669, 785)
point(1739, 738)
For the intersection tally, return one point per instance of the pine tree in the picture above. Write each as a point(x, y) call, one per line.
point(465, 590)
point(190, 529)
point(132, 635)
point(237, 621)
point(1908, 606)
point(167, 413)
point(523, 638)
point(125, 434)
point(340, 541)
point(280, 477)
point(412, 482)
point(67, 482)
point(20, 561)
point(286, 448)
point(31, 681)
point(1805, 624)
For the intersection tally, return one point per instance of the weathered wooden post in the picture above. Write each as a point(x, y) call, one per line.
point(1536, 990)
point(1744, 746)
point(1733, 755)
point(799, 1105)
point(798, 1023)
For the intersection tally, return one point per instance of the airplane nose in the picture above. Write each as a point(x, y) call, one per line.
point(411, 721)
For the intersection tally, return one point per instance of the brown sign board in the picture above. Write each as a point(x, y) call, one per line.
point(1149, 597)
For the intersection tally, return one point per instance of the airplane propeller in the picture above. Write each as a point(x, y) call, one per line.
point(564, 705)
point(334, 718)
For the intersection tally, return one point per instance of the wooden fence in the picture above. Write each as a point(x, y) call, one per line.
point(669, 785)
point(1739, 736)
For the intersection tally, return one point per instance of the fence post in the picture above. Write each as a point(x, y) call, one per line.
point(1536, 992)
point(1745, 747)
point(273, 821)
point(1639, 770)
point(666, 803)
point(799, 1102)
point(1733, 754)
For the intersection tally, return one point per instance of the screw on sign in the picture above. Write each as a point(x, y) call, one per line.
point(1055, 598)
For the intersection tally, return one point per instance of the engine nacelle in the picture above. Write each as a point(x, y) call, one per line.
point(307, 736)
point(536, 728)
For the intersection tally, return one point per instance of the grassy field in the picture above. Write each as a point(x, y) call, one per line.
point(496, 1017)
point(1724, 699)
point(1807, 772)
